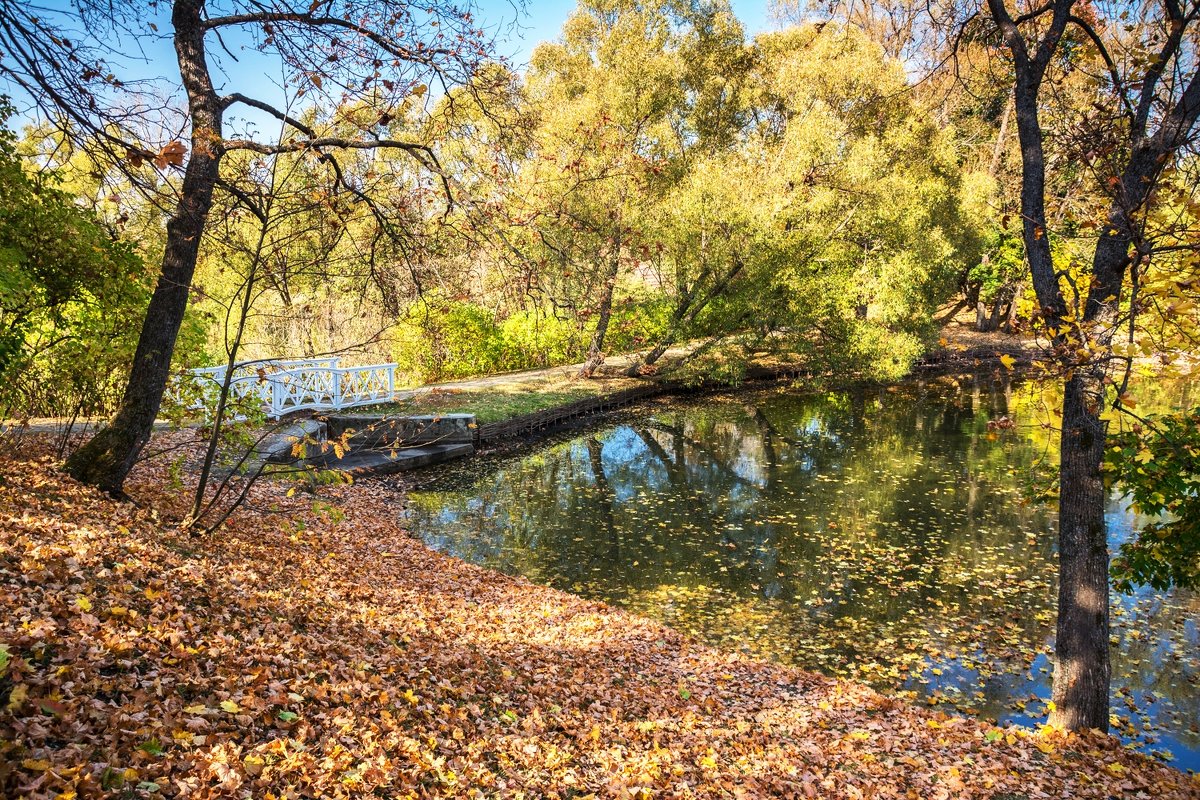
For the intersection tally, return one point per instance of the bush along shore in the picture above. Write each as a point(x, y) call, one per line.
point(310, 648)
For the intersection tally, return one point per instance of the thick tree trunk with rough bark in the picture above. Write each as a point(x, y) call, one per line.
point(107, 458)
point(1082, 668)
point(1081, 647)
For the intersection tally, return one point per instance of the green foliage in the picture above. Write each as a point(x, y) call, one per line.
point(441, 339)
point(71, 297)
point(653, 178)
point(534, 338)
point(638, 322)
point(1160, 467)
point(1003, 263)
point(488, 405)
point(835, 225)
point(446, 339)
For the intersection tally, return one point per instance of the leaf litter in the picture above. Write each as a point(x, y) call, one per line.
point(299, 653)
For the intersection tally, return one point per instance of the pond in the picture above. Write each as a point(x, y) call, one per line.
point(885, 534)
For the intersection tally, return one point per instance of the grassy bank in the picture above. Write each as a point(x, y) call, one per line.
point(312, 649)
point(488, 405)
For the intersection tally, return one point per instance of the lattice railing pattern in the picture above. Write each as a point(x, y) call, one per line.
point(297, 385)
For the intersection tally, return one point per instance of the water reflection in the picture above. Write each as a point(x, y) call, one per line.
point(876, 533)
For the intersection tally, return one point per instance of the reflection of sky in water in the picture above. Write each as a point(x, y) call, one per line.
point(879, 534)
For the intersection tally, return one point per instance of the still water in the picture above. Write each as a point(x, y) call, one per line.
point(884, 534)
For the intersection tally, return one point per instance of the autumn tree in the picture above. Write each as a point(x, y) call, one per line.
point(1145, 104)
point(337, 52)
point(832, 220)
point(69, 292)
point(605, 95)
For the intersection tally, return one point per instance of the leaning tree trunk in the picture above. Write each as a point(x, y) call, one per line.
point(1082, 669)
point(595, 354)
point(107, 458)
point(686, 312)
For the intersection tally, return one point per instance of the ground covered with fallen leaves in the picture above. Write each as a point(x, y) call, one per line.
point(312, 649)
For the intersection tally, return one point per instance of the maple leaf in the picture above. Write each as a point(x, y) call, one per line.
point(171, 155)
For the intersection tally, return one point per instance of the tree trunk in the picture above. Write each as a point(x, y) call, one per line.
point(1082, 666)
point(1081, 647)
point(595, 354)
point(686, 311)
point(986, 320)
point(1082, 669)
point(998, 150)
point(107, 458)
point(1010, 314)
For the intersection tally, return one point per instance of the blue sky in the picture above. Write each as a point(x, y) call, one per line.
point(517, 34)
point(543, 19)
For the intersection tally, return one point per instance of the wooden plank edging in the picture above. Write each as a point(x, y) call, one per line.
point(550, 417)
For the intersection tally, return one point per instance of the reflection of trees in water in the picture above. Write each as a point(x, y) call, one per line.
point(750, 499)
point(1160, 671)
point(604, 498)
point(872, 525)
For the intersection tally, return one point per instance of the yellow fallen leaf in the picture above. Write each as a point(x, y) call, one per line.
point(16, 698)
point(36, 764)
point(1007, 361)
point(83, 604)
point(196, 709)
point(230, 706)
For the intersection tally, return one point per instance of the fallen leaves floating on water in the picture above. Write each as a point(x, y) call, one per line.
point(885, 537)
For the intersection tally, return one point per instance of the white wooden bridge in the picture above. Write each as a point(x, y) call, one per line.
point(284, 386)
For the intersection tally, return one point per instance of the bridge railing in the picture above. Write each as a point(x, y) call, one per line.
point(284, 386)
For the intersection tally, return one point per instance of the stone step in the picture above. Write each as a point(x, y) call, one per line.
point(298, 439)
point(372, 432)
point(385, 462)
